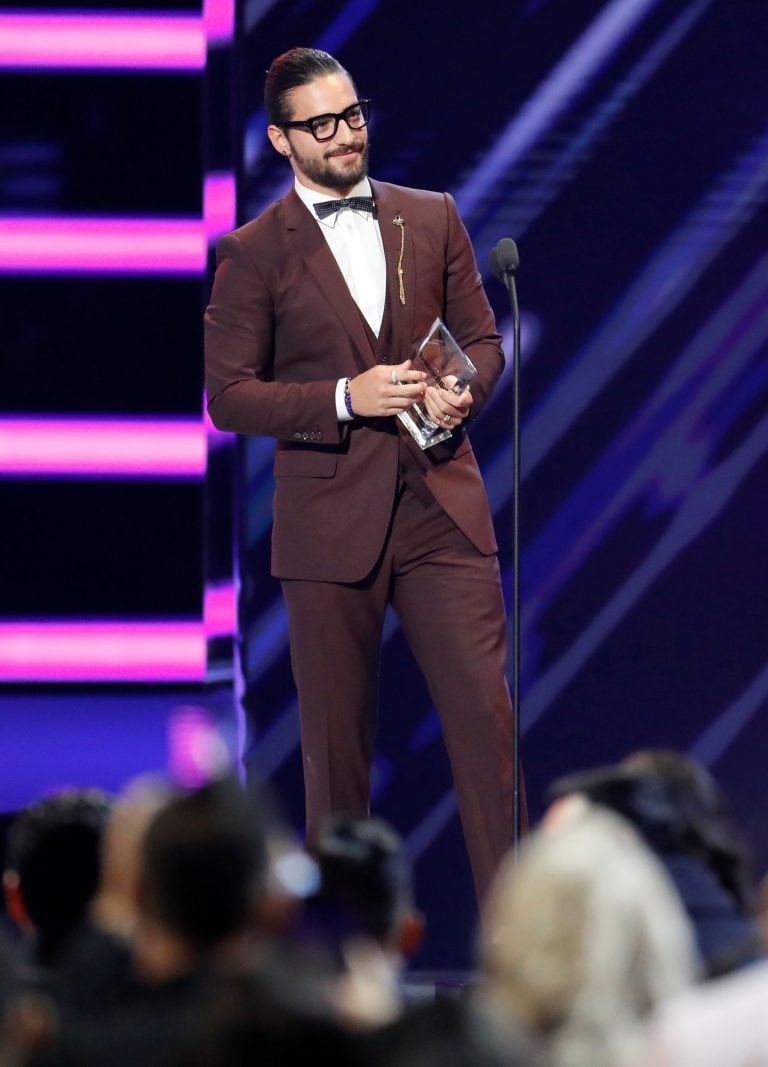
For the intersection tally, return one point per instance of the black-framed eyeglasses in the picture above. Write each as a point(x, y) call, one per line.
point(323, 127)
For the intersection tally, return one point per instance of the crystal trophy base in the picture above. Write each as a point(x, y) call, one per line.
point(446, 366)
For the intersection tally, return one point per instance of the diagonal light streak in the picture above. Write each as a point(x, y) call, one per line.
point(657, 291)
point(689, 398)
point(561, 88)
point(703, 504)
point(517, 212)
point(723, 731)
point(686, 398)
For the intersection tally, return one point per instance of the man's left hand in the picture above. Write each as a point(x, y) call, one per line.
point(448, 408)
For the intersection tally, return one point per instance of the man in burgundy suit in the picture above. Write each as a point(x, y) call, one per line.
point(317, 307)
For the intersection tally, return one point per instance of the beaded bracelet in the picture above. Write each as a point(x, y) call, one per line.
point(348, 399)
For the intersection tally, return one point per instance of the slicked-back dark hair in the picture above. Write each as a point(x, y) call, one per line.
point(297, 66)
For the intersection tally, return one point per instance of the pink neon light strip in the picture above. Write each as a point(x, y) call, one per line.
point(219, 203)
point(119, 245)
point(98, 40)
point(220, 610)
point(219, 20)
point(102, 651)
point(125, 448)
point(102, 246)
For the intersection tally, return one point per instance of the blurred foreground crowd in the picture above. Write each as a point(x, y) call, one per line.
point(170, 927)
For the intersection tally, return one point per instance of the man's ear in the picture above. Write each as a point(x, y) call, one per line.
point(279, 140)
point(15, 907)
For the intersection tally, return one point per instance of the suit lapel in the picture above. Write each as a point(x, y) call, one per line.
point(313, 249)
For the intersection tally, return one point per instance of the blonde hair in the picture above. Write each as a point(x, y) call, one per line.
point(584, 935)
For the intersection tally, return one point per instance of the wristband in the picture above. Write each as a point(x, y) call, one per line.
point(348, 399)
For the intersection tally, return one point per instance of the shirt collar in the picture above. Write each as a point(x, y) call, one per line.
point(310, 197)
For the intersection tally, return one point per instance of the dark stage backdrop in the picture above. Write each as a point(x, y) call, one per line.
point(624, 147)
point(623, 144)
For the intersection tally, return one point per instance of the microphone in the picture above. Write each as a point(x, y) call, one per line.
point(504, 261)
point(504, 258)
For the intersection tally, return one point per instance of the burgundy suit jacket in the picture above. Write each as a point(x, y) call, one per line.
point(282, 328)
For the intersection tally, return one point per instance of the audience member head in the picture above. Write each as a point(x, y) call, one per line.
point(676, 805)
point(53, 863)
point(365, 882)
point(682, 814)
point(700, 817)
point(584, 935)
point(362, 919)
point(115, 905)
point(203, 871)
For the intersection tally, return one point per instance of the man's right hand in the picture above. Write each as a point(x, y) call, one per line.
point(386, 389)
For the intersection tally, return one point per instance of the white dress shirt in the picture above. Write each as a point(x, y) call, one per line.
point(354, 238)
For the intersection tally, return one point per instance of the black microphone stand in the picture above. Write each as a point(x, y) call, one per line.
point(504, 261)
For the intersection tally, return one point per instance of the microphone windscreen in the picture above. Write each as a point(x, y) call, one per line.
point(508, 257)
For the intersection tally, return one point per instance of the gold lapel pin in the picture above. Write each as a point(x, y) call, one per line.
point(398, 220)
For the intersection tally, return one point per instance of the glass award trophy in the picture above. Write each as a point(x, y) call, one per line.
point(447, 367)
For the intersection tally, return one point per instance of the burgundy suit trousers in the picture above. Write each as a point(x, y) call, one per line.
point(448, 598)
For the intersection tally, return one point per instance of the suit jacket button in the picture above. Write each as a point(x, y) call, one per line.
point(383, 357)
point(402, 469)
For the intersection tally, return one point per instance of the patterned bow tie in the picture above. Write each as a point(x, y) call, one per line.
point(357, 203)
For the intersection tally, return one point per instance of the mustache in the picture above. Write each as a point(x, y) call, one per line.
point(357, 146)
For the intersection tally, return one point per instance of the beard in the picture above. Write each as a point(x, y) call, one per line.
point(325, 173)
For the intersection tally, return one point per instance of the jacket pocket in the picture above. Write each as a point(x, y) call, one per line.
point(293, 464)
